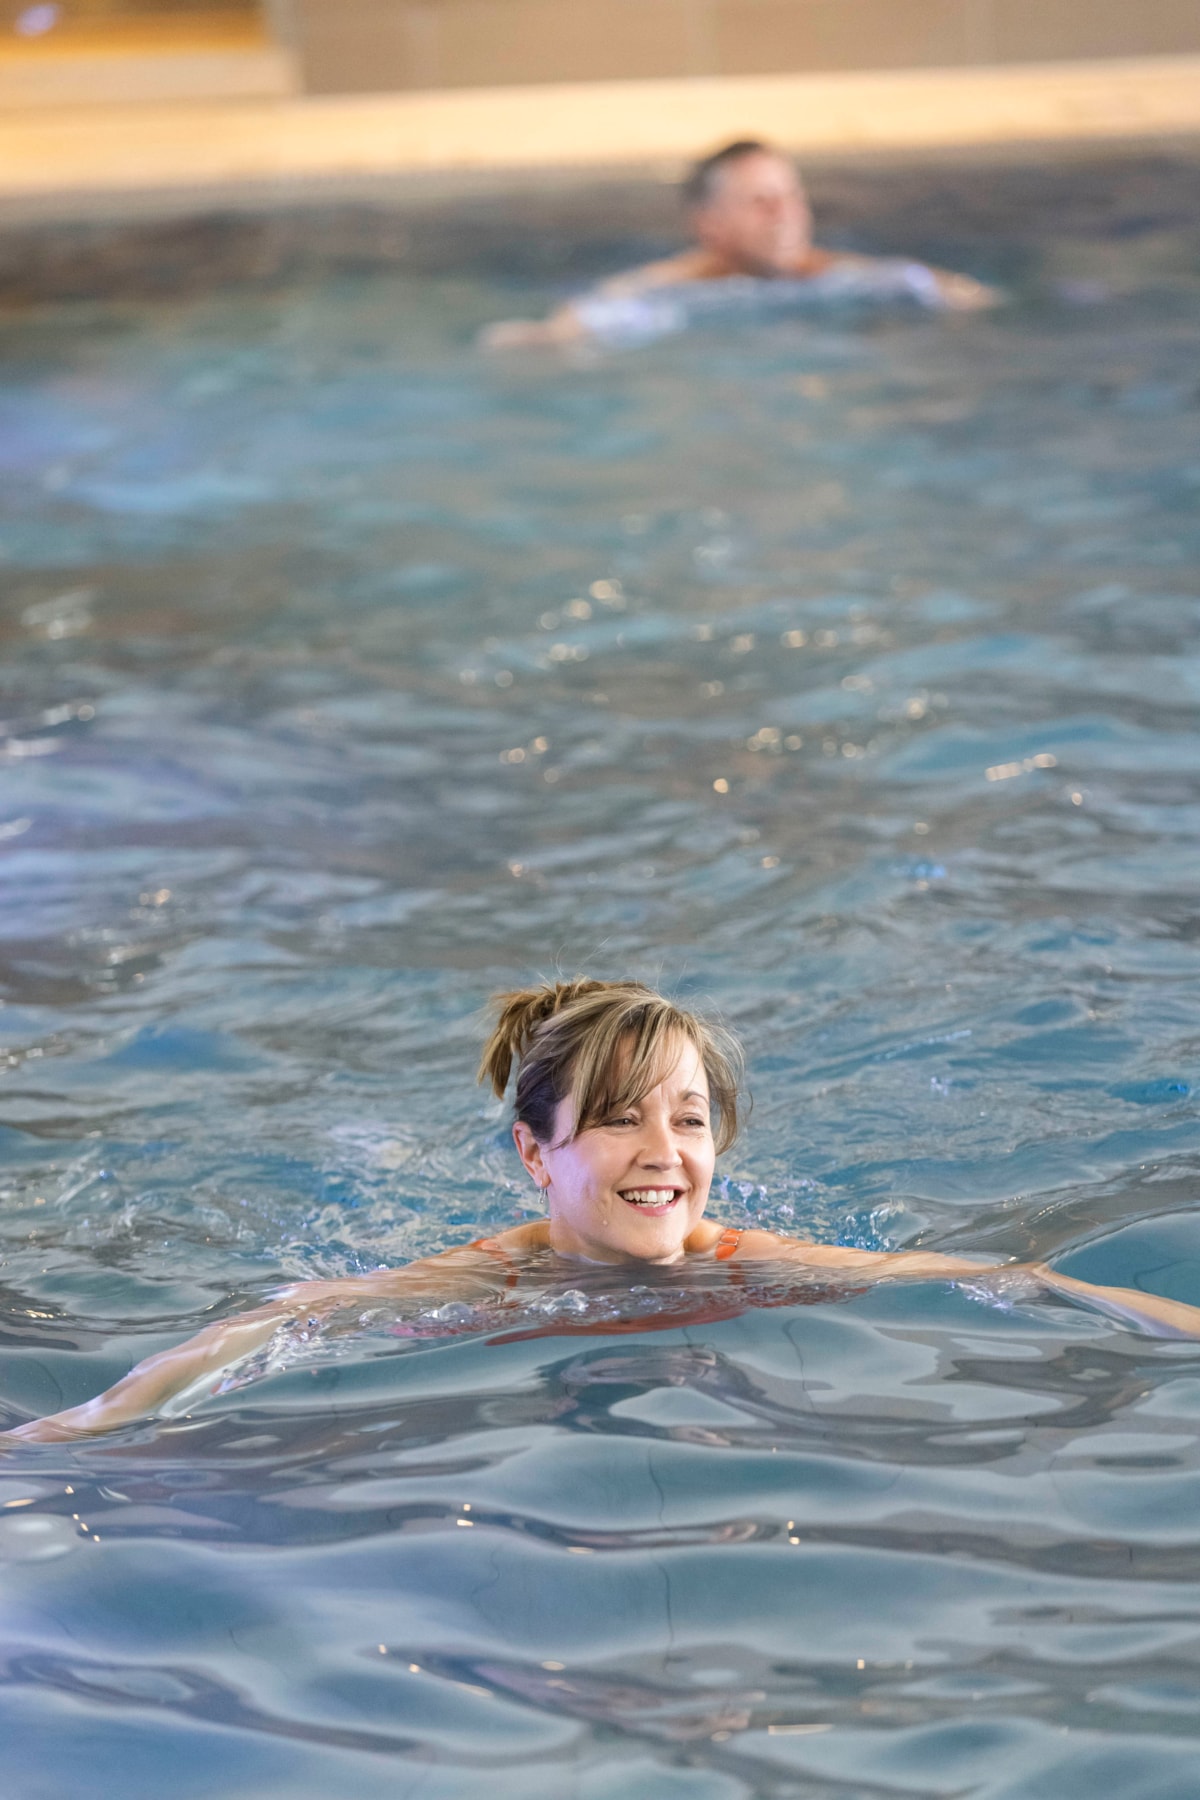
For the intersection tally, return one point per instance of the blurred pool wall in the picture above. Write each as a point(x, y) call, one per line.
point(362, 46)
point(133, 99)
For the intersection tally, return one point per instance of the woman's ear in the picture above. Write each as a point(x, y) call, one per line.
point(530, 1153)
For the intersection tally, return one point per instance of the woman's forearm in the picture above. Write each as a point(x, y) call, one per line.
point(1153, 1314)
point(161, 1378)
point(157, 1380)
point(1149, 1312)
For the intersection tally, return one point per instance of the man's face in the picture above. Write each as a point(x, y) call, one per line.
point(758, 218)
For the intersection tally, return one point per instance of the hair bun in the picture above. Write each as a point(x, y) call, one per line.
point(519, 1015)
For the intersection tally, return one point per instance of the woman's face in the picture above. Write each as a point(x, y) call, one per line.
point(632, 1188)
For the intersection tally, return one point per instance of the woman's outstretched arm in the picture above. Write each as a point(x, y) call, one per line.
point(1148, 1312)
point(455, 1274)
point(160, 1378)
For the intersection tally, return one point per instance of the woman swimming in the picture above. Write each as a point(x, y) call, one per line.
point(623, 1102)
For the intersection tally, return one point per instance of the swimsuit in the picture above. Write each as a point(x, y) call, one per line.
point(725, 1247)
point(700, 1309)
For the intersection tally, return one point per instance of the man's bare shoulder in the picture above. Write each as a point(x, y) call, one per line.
point(699, 264)
point(687, 265)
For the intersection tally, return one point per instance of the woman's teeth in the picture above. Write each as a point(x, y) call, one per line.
point(650, 1196)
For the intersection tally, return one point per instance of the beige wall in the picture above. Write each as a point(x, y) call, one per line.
point(349, 46)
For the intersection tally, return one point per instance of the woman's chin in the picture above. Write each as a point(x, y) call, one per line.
point(628, 1236)
point(654, 1240)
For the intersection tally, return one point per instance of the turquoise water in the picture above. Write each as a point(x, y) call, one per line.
point(841, 674)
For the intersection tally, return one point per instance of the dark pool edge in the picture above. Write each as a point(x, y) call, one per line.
point(567, 225)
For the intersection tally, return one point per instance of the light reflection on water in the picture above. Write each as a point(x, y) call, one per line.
point(842, 675)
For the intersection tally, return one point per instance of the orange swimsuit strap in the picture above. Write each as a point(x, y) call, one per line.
point(727, 1243)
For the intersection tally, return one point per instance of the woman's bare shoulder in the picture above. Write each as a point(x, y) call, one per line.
point(754, 1242)
point(442, 1265)
point(533, 1236)
point(750, 1242)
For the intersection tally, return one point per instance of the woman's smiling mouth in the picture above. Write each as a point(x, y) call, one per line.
point(654, 1200)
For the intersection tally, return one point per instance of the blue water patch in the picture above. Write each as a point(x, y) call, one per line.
point(1164, 1091)
point(164, 1049)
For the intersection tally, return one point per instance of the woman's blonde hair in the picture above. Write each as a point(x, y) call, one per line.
point(607, 1043)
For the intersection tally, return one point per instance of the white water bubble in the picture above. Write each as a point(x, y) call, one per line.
point(455, 1312)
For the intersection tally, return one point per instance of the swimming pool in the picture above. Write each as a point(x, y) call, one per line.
point(840, 673)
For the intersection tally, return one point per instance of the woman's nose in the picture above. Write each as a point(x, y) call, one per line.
point(659, 1147)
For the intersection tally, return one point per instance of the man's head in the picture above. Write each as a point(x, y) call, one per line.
point(747, 205)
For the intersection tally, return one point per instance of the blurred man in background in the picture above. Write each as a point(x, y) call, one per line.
point(749, 217)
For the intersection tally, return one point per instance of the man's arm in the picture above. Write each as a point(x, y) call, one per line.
point(962, 293)
point(562, 327)
point(944, 290)
point(567, 323)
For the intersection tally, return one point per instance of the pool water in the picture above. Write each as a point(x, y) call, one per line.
point(839, 673)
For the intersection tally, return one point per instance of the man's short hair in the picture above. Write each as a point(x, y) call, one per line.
point(700, 184)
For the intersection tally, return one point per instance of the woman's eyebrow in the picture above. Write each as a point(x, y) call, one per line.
point(694, 1094)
